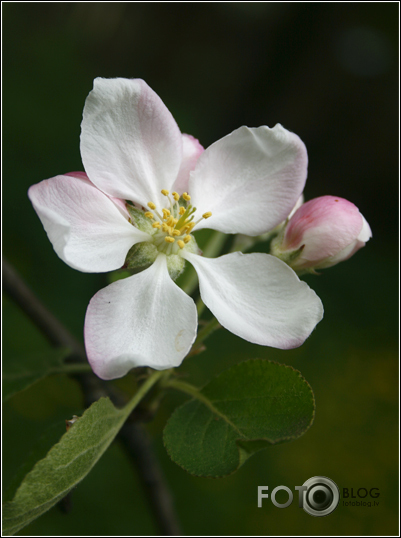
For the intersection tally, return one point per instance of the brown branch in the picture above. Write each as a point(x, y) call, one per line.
point(138, 445)
point(44, 320)
point(133, 436)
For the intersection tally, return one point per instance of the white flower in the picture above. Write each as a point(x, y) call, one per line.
point(247, 183)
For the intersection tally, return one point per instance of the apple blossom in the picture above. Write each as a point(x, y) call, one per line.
point(246, 242)
point(146, 189)
point(322, 232)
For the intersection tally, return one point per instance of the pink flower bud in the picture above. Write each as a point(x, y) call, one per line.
point(321, 233)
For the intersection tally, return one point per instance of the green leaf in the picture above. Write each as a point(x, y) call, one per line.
point(66, 464)
point(22, 371)
point(252, 405)
point(70, 460)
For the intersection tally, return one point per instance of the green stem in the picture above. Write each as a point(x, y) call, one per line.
point(213, 247)
point(206, 331)
point(243, 243)
point(200, 307)
point(185, 387)
point(145, 388)
point(71, 368)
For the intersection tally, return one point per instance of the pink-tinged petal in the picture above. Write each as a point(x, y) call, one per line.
point(191, 151)
point(143, 320)
point(331, 221)
point(86, 229)
point(250, 180)
point(329, 229)
point(79, 175)
point(258, 297)
point(364, 235)
point(117, 201)
point(131, 146)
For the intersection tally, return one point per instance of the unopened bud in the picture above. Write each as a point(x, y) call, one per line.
point(321, 233)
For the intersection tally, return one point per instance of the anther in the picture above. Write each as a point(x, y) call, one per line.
point(182, 210)
point(169, 239)
point(156, 225)
point(186, 196)
point(187, 239)
point(176, 232)
point(151, 205)
point(166, 213)
point(175, 195)
point(165, 192)
point(165, 228)
point(181, 243)
point(207, 215)
point(149, 215)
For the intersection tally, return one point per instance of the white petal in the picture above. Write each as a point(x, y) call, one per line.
point(143, 320)
point(131, 146)
point(366, 233)
point(191, 151)
point(300, 202)
point(250, 180)
point(258, 297)
point(85, 227)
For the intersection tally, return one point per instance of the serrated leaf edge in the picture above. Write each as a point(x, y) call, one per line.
point(204, 400)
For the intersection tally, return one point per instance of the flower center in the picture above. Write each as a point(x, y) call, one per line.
point(175, 223)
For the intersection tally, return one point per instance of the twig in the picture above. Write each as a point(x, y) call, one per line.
point(44, 320)
point(138, 446)
point(133, 436)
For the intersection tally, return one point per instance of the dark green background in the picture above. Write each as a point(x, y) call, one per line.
point(328, 72)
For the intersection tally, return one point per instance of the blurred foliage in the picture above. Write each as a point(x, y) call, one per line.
point(328, 72)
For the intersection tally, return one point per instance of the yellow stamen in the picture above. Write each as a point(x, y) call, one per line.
point(187, 239)
point(170, 221)
point(182, 210)
point(176, 196)
point(176, 232)
point(186, 196)
point(169, 239)
point(166, 213)
point(207, 215)
point(156, 225)
point(165, 228)
point(189, 227)
point(165, 192)
point(149, 215)
point(181, 244)
point(151, 205)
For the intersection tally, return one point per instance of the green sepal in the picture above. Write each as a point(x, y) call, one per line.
point(139, 220)
point(289, 256)
point(141, 256)
point(175, 265)
point(192, 246)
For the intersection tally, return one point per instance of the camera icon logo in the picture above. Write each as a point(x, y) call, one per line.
point(320, 496)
